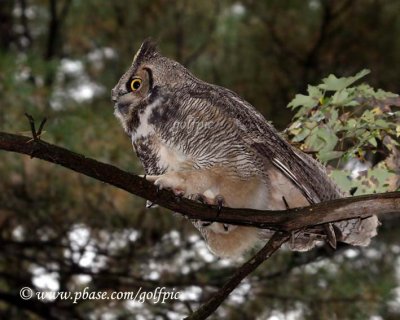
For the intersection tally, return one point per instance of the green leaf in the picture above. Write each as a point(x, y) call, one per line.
point(329, 137)
point(342, 178)
point(340, 97)
point(304, 101)
point(318, 116)
point(366, 91)
point(333, 116)
point(314, 142)
point(381, 177)
point(332, 83)
point(352, 103)
point(301, 135)
point(368, 116)
point(329, 155)
point(337, 126)
point(322, 139)
point(372, 141)
point(310, 124)
point(351, 124)
point(315, 92)
point(382, 123)
point(381, 94)
point(295, 125)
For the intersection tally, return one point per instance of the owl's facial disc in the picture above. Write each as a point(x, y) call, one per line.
point(129, 95)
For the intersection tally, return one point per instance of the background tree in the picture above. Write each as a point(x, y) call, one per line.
point(62, 231)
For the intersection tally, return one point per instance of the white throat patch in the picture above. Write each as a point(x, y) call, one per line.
point(145, 128)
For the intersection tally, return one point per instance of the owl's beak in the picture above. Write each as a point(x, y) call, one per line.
point(114, 95)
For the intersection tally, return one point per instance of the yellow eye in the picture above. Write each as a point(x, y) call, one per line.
point(135, 84)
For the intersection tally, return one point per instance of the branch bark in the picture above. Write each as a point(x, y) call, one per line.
point(286, 220)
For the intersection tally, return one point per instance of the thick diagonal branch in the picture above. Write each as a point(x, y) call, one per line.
point(287, 220)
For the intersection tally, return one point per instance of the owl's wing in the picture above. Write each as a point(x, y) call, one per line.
point(144, 149)
point(260, 136)
point(149, 161)
point(304, 172)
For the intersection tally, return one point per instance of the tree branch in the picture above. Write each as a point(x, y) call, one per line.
point(285, 220)
point(264, 254)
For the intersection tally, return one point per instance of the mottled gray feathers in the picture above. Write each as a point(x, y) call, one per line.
point(177, 118)
point(147, 51)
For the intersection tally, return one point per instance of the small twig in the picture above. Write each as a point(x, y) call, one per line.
point(265, 253)
point(35, 134)
point(39, 132)
point(32, 124)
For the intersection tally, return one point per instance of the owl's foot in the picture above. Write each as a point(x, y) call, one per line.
point(221, 227)
point(150, 204)
point(171, 181)
point(216, 227)
point(209, 198)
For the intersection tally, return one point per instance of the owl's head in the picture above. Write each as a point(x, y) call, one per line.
point(150, 77)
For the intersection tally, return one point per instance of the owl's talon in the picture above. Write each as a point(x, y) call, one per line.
point(150, 204)
point(285, 203)
point(149, 177)
point(226, 227)
point(178, 197)
point(330, 235)
point(179, 193)
point(199, 198)
point(169, 181)
point(206, 224)
point(220, 202)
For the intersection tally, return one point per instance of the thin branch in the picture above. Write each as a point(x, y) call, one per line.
point(264, 254)
point(282, 220)
point(32, 125)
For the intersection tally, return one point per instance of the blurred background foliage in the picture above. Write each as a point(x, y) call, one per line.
point(62, 231)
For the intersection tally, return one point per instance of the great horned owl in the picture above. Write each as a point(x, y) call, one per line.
point(205, 142)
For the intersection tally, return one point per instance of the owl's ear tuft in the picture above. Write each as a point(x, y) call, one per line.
point(147, 51)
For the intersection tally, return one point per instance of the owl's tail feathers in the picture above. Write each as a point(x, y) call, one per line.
point(358, 232)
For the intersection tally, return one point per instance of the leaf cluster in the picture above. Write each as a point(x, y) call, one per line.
point(343, 122)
